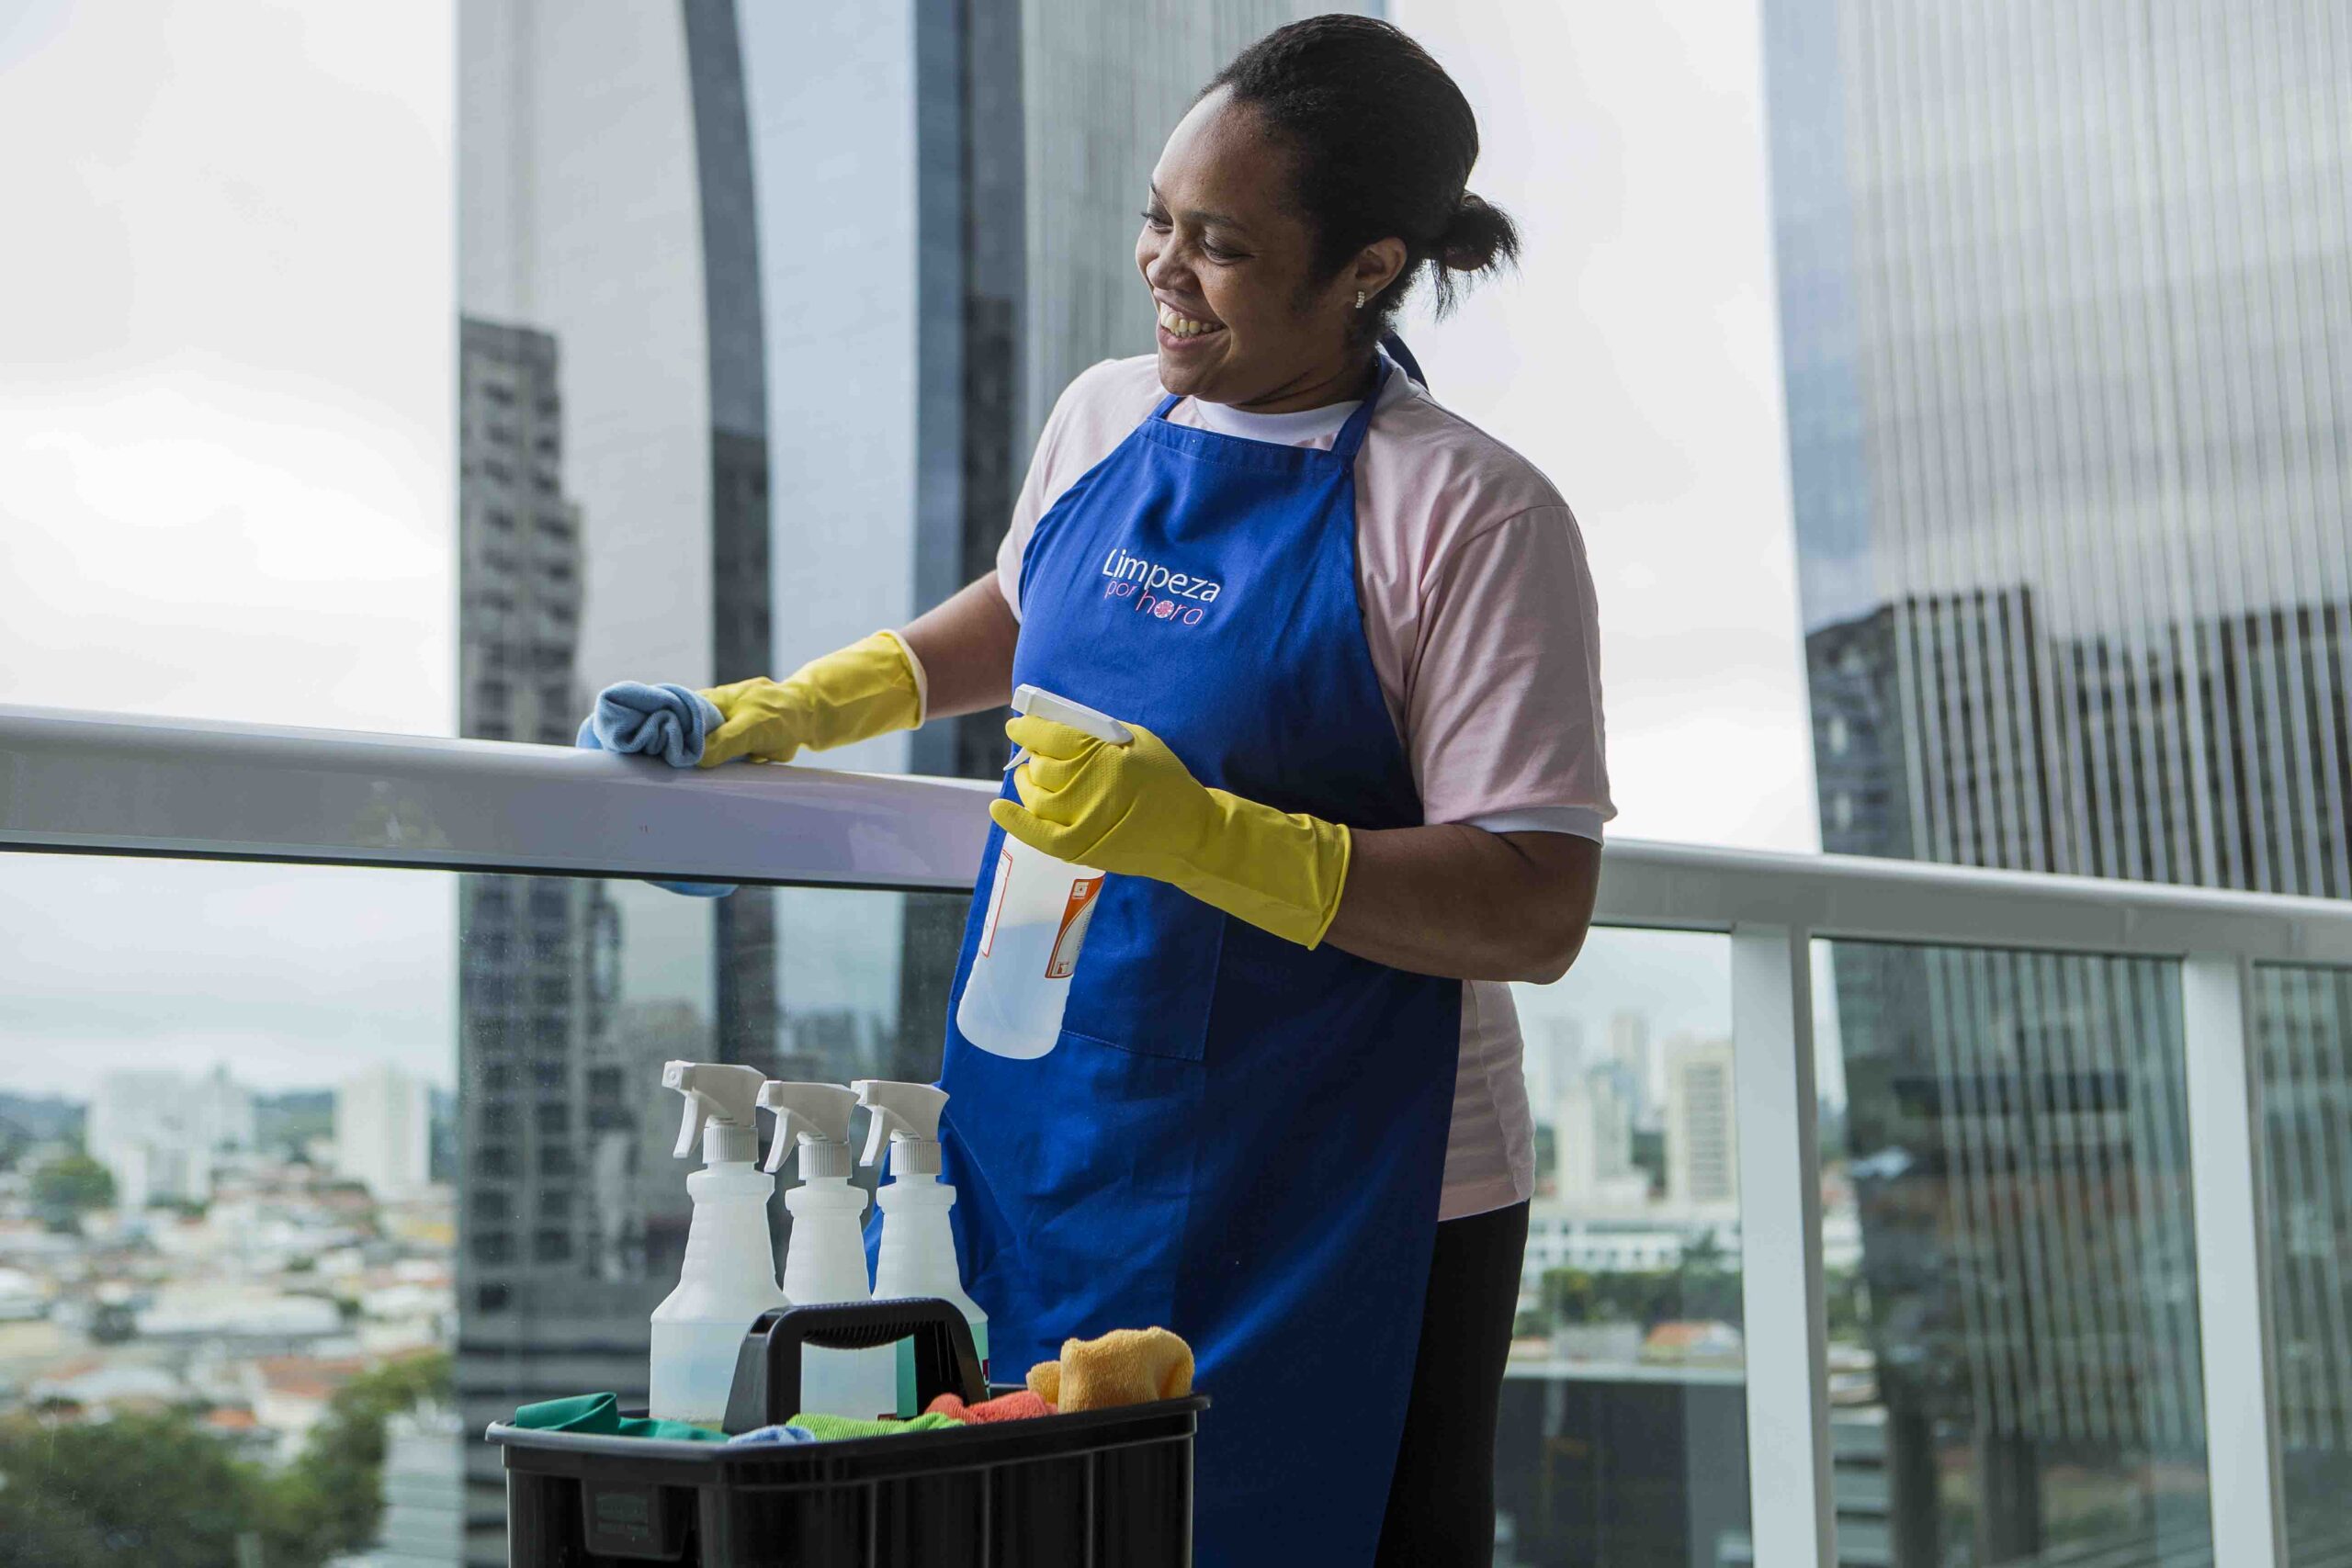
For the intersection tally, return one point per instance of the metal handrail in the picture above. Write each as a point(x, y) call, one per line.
point(113, 784)
point(119, 783)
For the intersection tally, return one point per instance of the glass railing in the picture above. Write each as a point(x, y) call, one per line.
point(1944, 1217)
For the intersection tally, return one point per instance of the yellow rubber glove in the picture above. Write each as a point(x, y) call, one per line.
point(867, 689)
point(1135, 811)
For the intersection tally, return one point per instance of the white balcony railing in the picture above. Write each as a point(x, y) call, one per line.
point(116, 785)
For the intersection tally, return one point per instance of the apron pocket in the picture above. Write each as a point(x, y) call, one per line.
point(1149, 971)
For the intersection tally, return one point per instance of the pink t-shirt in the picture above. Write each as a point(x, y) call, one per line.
point(1479, 611)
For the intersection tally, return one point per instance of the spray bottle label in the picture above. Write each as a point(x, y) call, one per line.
point(996, 900)
point(1076, 914)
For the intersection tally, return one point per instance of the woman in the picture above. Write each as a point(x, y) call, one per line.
point(1354, 636)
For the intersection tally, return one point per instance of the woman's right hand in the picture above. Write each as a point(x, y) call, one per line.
point(867, 689)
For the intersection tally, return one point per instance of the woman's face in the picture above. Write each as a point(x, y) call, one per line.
point(1229, 264)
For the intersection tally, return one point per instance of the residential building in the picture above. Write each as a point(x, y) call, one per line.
point(1593, 1147)
point(161, 1133)
point(1702, 1128)
point(383, 1131)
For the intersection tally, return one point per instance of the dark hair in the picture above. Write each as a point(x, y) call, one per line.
point(1381, 144)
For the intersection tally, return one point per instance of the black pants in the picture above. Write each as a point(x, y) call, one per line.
point(1441, 1500)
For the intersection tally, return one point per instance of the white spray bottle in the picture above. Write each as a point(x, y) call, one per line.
point(1038, 910)
point(729, 1273)
point(824, 1260)
point(918, 1252)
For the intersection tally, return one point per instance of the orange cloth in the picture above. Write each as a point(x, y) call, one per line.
point(1020, 1407)
point(1126, 1366)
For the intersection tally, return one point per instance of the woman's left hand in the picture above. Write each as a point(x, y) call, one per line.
point(1136, 810)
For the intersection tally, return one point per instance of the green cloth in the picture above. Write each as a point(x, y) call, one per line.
point(844, 1429)
point(599, 1414)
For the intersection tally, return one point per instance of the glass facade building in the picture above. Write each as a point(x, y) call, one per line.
point(2067, 305)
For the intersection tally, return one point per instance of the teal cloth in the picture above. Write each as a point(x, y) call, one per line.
point(847, 1428)
point(599, 1414)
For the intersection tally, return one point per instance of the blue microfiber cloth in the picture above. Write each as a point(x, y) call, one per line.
point(667, 721)
point(785, 1434)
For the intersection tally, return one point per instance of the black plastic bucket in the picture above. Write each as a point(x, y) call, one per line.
point(1099, 1489)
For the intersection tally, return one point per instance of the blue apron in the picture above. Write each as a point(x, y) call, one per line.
point(1236, 1137)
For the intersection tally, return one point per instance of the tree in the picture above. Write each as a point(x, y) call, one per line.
point(1569, 1295)
point(155, 1490)
point(72, 1184)
point(161, 1492)
point(1704, 1253)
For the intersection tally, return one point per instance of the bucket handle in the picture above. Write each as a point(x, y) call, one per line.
point(767, 1368)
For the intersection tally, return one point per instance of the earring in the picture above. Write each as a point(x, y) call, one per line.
point(1359, 299)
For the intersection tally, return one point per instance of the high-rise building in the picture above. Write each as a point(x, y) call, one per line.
point(383, 1131)
point(537, 954)
point(2061, 299)
point(1702, 1128)
point(1593, 1146)
point(1629, 1052)
point(1554, 1055)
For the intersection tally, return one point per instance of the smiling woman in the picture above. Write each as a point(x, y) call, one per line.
point(1356, 641)
point(1372, 146)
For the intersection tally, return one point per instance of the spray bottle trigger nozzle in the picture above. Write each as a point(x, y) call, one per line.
point(789, 1127)
point(1035, 700)
point(719, 1098)
point(673, 1076)
point(877, 1135)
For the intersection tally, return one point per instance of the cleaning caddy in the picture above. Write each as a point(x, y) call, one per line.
point(1110, 1488)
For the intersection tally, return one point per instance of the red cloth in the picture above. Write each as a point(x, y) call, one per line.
point(1022, 1406)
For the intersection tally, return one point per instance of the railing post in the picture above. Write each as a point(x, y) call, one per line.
point(2233, 1240)
point(1791, 1510)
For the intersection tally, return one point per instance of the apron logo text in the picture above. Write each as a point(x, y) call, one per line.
point(1157, 590)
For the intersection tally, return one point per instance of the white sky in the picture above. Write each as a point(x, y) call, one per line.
point(227, 466)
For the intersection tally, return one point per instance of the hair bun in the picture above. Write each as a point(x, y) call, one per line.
point(1477, 238)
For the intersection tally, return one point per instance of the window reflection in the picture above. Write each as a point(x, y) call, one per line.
point(2009, 1259)
point(2303, 1033)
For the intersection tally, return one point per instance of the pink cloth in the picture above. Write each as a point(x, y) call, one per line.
point(1478, 613)
point(1020, 1407)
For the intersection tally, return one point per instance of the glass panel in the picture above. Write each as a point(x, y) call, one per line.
point(2303, 1030)
point(2010, 1266)
point(294, 1156)
point(1623, 1436)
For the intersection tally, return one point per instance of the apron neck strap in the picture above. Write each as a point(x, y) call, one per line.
point(1351, 436)
point(1395, 349)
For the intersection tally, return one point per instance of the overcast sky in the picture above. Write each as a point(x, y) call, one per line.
point(226, 465)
